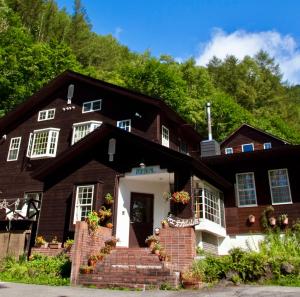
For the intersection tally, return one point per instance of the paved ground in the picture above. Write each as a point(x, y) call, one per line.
point(21, 290)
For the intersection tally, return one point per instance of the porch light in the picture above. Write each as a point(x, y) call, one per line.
point(156, 231)
point(142, 165)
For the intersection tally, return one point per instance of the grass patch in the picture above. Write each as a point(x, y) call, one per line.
point(41, 270)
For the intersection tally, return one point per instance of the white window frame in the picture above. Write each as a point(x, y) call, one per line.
point(238, 193)
point(92, 109)
point(92, 126)
point(47, 117)
point(165, 141)
point(11, 148)
point(77, 208)
point(228, 150)
point(288, 185)
point(52, 132)
point(248, 144)
point(128, 121)
point(267, 143)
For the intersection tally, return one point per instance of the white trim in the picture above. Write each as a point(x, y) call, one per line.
point(288, 184)
point(165, 141)
point(90, 123)
point(91, 102)
point(127, 120)
point(230, 149)
point(237, 189)
point(31, 142)
point(75, 215)
point(47, 114)
point(17, 148)
point(248, 144)
point(269, 144)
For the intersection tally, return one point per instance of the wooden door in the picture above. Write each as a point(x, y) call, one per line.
point(141, 218)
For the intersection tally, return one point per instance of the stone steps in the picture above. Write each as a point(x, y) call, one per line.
point(131, 267)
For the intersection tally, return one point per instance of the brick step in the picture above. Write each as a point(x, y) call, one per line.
point(130, 267)
point(126, 280)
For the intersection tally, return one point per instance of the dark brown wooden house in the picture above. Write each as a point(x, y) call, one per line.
point(79, 139)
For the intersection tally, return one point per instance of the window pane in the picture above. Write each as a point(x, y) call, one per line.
point(125, 125)
point(84, 201)
point(14, 147)
point(246, 189)
point(248, 147)
point(279, 185)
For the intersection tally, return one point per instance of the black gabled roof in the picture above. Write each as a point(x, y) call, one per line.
point(13, 118)
point(100, 134)
point(252, 128)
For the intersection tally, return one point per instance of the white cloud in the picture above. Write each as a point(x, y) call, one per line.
point(240, 43)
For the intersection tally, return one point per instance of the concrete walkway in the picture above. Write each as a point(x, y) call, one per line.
point(22, 290)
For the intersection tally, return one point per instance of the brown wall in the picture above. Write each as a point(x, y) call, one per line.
point(247, 135)
point(236, 217)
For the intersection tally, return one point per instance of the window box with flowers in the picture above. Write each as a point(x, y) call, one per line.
point(181, 197)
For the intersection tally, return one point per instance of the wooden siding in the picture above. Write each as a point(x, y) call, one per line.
point(236, 217)
point(247, 135)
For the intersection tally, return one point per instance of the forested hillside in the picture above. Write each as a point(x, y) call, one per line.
point(38, 41)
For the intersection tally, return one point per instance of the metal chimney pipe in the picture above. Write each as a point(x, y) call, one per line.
point(209, 120)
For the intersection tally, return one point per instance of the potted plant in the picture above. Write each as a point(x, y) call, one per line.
point(92, 221)
point(283, 219)
point(181, 197)
point(164, 224)
point(112, 242)
point(109, 225)
point(92, 260)
point(163, 256)
point(104, 213)
point(251, 219)
point(68, 244)
point(189, 280)
point(100, 256)
point(156, 249)
point(40, 242)
point(85, 269)
point(151, 240)
point(109, 199)
point(54, 244)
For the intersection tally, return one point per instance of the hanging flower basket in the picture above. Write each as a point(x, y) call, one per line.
point(181, 197)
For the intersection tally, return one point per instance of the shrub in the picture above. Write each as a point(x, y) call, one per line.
point(39, 270)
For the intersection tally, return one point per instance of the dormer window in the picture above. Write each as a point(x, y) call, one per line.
point(228, 150)
point(267, 145)
point(125, 125)
point(80, 130)
point(47, 114)
point(91, 106)
point(165, 136)
point(43, 143)
point(249, 147)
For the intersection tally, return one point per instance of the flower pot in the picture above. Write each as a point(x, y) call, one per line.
point(272, 221)
point(285, 221)
point(151, 245)
point(157, 252)
point(92, 262)
point(251, 219)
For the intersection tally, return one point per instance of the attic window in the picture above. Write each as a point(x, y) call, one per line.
point(91, 106)
point(228, 150)
point(80, 130)
point(267, 145)
point(47, 114)
point(43, 143)
point(125, 125)
point(249, 147)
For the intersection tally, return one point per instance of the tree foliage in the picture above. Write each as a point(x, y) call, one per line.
point(38, 41)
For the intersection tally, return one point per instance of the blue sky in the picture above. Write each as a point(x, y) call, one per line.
point(202, 28)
